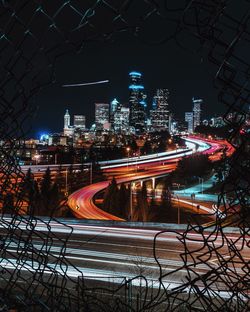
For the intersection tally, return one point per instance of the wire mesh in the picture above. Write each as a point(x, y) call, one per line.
point(33, 35)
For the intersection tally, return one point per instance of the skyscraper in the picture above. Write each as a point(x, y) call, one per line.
point(189, 118)
point(137, 103)
point(114, 105)
point(66, 119)
point(101, 115)
point(159, 114)
point(80, 122)
point(67, 129)
point(121, 119)
point(197, 111)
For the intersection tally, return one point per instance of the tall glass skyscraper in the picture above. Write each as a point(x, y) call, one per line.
point(159, 115)
point(101, 115)
point(197, 111)
point(189, 118)
point(137, 103)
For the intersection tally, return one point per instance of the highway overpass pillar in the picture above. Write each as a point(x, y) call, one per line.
point(153, 183)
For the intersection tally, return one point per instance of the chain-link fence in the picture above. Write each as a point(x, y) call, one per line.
point(33, 35)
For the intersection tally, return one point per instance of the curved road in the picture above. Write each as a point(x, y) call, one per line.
point(81, 202)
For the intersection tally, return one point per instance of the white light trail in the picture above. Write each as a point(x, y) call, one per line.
point(85, 84)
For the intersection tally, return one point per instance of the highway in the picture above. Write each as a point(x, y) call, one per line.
point(112, 251)
point(108, 252)
point(130, 161)
point(81, 202)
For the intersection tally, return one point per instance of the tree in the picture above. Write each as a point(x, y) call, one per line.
point(8, 204)
point(123, 201)
point(143, 210)
point(60, 179)
point(162, 147)
point(133, 145)
point(30, 192)
point(192, 166)
point(110, 197)
point(71, 178)
point(46, 192)
point(166, 197)
point(55, 198)
point(221, 167)
point(222, 132)
point(147, 148)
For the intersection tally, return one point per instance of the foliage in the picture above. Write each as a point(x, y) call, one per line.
point(123, 202)
point(110, 197)
point(143, 204)
point(222, 132)
point(193, 166)
point(8, 203)
point(147, 148)
point(220, 168)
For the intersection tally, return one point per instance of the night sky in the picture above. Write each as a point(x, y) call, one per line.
point(185, 74)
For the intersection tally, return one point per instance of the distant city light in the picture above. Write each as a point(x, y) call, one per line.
point(44, 137)
point(143, 103)
point(136, 87)
point(134, 73)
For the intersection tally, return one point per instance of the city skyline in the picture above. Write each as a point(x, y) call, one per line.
point(184, 74)
point(136, 116)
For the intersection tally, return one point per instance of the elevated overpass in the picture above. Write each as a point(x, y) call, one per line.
point(82, 204)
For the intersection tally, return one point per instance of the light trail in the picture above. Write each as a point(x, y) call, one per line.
point(81, 202)
point(123, 231)
point(84, 84)
point(106, 253)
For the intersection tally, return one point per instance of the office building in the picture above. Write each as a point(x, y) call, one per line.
point(68, 130)
point(101, 116)
point(197, 112)
point(121, 119)
point(66, 119)
point(137, 103)
point(159, 115)
point(189, 118)
point(80, 122)
point(114, 105)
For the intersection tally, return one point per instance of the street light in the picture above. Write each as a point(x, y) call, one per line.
point(128, 150)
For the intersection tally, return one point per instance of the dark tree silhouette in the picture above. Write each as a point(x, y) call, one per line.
point(193, 166)
point(8, 204)
point(147, 148)
point(123, 201)
point(110, 197)
point(142, 213)
point(46, 192)
point(31, 194)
